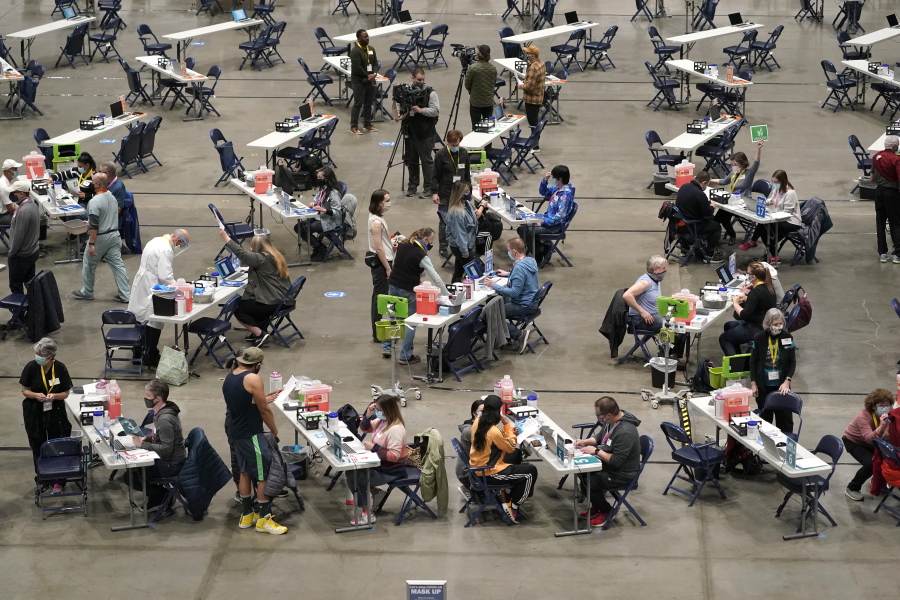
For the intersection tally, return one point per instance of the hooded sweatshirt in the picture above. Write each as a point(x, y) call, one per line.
point(498, 442)
point(465, 441)
point(167, 440)
point(522, 284)
point(622, 440)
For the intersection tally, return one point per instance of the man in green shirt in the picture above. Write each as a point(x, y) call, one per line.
point(363, 70)
point(481, 78)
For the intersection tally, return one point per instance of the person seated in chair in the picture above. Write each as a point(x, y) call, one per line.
point(743, 263)
point(561, 193)
point(519, 291)
point(693, 204)
point(616, 443)
point(465, 442)
point(327, 203)
point(741, 181)
point(749, 310)
point(166, 439)
point(643, 312)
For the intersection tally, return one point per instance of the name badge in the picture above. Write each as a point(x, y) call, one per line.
point(54, 382)
point(787, 343)
point(47, 406)
point(772, 374)
point(371, 52)
point(369, 68)
point(456, 178)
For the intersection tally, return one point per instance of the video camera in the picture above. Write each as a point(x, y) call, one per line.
point(465, 54)
point(406, 95)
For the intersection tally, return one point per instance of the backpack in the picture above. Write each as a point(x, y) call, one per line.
point(794, 299)
point(348, 210)
point(666, 210)
point(739, 460)
point(699, 383)
point(348, 415)
point(311, 164)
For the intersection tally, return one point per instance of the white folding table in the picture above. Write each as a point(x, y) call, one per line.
point(11, 75)
point(866, 41)
point(222, 294)
point(271, 142)
point(78, 136)
point(26, 36)
point(349, 38)
point(517, 76)
point(689, 142)
point(183, 39)
point(687, 68)
point(476, 141)
point(687, 41)
point(862, 67)
point(192, 78)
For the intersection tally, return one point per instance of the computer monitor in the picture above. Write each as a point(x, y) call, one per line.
point(305, 111)
point(735, 18)
point(474, 269)
point(892, 20)
point(404, 16)
point(498, 111)
point(115, 109)
point(69, 12)
point(224, 267)
point(571, 17)
point(680, 307)
point(723, 273)
point(239, 14)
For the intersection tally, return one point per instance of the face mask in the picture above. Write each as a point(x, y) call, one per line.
point(478, 415)
point(454, 148)
point(467, 197)
point(882, 410)
point(776, 186)
point(80, 170)
point(385, 207)
point(776, 330)
point(510, 254)
point(379, 414)
point(15, 174)
point(429, 246)
point(657, 277)
point(40, 360)
point(148, 402)
point(735, 168)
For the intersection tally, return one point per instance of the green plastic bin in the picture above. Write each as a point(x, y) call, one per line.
point(716, 380)
point(386, 331)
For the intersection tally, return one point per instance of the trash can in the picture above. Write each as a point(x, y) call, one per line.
point(659, 184)
point(716, 380)
point(660, 369)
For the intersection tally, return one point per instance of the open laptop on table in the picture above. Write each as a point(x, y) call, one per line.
point(500, 116)
point(227, 272)
point(405, 18)
point(240, 15)
point(572, 19)
point(475, 269)
point(892, 22)
point(728, 279)
point(116, 111)
point(306, 114)
point(69, 13)
point(738, 21)
point(771, 446)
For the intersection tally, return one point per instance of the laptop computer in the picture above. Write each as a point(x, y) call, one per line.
point(404, 17)
point(240, 15)
point(572, 19)
point(771, 446)
point(307, 115)
point(116, 111)
point(227, 272)
point(474, 270)
point(69, 13)
point(737, 20)
point(892, 21)
point(726, 277)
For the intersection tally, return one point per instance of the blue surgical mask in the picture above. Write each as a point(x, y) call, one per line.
point(379, 414)
point(510, 254)
point(776, 186)
point(454, 148)
point(40, 360)
point(882, 410)
point(15, 174)
point(80, 170)
point(478, 415)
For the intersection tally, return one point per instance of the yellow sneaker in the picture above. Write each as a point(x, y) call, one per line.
point(267, 524)
point(248, 521)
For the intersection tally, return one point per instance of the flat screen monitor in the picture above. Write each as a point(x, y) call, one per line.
point(892, 20)
point(239, 14)
point(69, 12)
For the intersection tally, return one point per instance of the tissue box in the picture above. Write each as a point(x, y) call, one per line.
point(90, 124)
point(483, 127)
point(309, 421)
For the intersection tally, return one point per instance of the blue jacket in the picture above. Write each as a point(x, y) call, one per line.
point(560, 205)
point(462, 228)
point(522, 284)
point(203, 474)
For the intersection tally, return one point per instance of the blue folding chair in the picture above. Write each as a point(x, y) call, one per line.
point(763, 50)
point(501, 158)
point(661, 156)
point(202, 94)
point(146, 157)
point(130, 150)
point(459, 346)
point(511, 6)
point(806, 7)
point(272, 55)
point(641, 337)
point(26, 92)
point(830, 446)
point(404, 50)
point(530, 317)
point(641, 6)
point(599, 50)
point(74, 48)
point(105, 41)
point(121, 331)
point(62, 460)
point(888, 452)
point(280, 321)
point(327, 45)
point(335, 239)
point(620, 495)
point(320, 144)
point(136, 89)
point(556, 238)
point(344, 5)
point(207, 6)
point(863, 160)
point(838, 86)
point(687, 243)
point(61, 4)
point(482, 491)
point(568, 52)
point(318, 83)
point(663, 52)
point(665, 89)
point(740, 54)
point(211, 332)
point(6, 54)
point(174, 87)
point(408, 484)
point(433, 46)
point(693, 459)
point(523, 148)
point(383, 93)
point(264, 11)
point(236, 230)
point(154, 47)
point(849, 14)
point(545, 15)
point(256, 49)
point(228, 161)
point(17, 305)
point(705, 15)
point(790, 402)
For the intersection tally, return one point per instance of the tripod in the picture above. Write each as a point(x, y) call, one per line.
point(454, 109)
point(403, 135)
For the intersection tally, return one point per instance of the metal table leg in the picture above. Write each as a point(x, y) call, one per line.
point(146, 522)
point(587, 519)
point(805, 507)
point(356, 511)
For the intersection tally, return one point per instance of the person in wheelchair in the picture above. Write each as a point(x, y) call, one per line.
point(694, 205)
point(643, 313)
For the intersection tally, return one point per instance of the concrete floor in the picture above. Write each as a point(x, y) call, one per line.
point(716, 549)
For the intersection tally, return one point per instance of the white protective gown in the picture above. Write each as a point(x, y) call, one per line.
point(156, 268)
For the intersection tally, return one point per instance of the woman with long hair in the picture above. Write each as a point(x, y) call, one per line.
point(740, 181)
point(327, 202)
point(85, 167)
point(782, 198)
point(462, 227)
point(385, 422)
point(749, 309)
point(490, 444)
point(379, 256)
point(268, 281)
point(410, 263)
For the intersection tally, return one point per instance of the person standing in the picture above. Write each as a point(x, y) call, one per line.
point(481, 79)
point(886, 175)
point(462, 227)
point(420, 122)
point(363, 70)
point(116, 187)
point(450, 165)
point(45, 384)
point(24, 237)
point(156, 269)
point(249, 409)
point(103, 243)
point(533, 87)
point(379, 256)
point(772, 365)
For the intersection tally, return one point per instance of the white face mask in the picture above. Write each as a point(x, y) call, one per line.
point(735, 168)
point(776, 329)
point(385, 207)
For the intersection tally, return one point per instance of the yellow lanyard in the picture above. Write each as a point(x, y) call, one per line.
point(875, 421)
point(773, 351)
point(735, 179)
point(455, 162)
point(422, 246)
point(84, 177)
point(365, 52)
point(52, 377)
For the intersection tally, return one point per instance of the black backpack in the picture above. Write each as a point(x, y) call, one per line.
point(740, 461)
point(348, 415)
point(700, 381)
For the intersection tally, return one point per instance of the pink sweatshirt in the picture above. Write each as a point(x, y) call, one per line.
point(861, 429)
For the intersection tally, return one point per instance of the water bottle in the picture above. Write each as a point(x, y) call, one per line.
point(180, 304)
point(57, 192)
point(71, 254)
point(274, 381)
point(714, 70)
point(269, 191)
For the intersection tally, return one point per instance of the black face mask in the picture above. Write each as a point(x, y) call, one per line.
point(149, 402)
point(258, 368)
point(429, 246)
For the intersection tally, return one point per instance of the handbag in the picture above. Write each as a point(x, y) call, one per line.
point(173, 367)
point(371, 260)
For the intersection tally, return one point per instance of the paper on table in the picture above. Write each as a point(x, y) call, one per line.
point(527, 428)
point(781, 215)
point(133, 456)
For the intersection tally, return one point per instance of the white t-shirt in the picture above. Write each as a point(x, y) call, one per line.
point(4, 195)
point(385, 237)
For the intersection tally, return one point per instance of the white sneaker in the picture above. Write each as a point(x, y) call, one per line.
point(853, 495)
point(523, 340)
point(883, 257)
point(364, 519)
point(896, 259)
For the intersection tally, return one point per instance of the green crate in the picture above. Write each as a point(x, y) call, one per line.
point(386, 331)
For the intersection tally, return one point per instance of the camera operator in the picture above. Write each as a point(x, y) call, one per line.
point(450, 165)
point(420, 122)
point(363, 70)
point(481, 79)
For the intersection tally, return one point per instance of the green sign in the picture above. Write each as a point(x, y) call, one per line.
point(759, 133)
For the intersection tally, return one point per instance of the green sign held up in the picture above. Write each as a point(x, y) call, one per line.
point(759, 133)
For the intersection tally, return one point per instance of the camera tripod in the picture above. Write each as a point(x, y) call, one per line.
point(402, 135)
point(454, 108)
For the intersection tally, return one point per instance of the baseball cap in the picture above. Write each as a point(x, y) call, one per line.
point(532, 50)
point(10, 164)
point(19, 186)
point(484, 49)
point(250, 356)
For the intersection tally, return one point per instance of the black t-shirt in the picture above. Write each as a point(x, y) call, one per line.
point(245, 418)
point(57, 381)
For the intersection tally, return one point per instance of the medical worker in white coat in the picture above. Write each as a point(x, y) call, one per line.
point(156, 268)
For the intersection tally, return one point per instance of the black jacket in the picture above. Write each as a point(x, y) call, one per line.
point(625, 446)
point(692, 203)
point(759, 352)
point(45, 311)
point(358, 64)
point(446, 166)
point(757, 304)
point(203, 474)
point(406, 272)
point(615, 322)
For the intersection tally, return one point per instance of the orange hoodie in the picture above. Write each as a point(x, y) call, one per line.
point(497, 443)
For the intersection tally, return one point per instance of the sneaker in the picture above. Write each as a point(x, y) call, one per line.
point(356, 131)
point(424, 195)
point(364, 519)
point(466, 494)
point(370, 128)
point(535, 150)
point(261, 340)
point(444, 253)
point(522, 340)
point(599, 519)
point(883, 257)
point(120, 299)
point(81, 296)
point(251, 338)
point(412, 360)
point(57, 489)
point(896, 260)
point(717, 257)
point(410, 193)
point(747, 245)
point(594, 512)
point(248, 521)
point(386, 354)
point(854, 495)
point(282, 494)
point(511, 512)
point(268, 525)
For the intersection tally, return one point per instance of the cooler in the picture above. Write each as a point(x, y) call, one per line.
point(426, 299)
point(692, 306)
point(317, 397)
point(262, 179)
point(737, 400)
point(684, 173)
point(34, 165)
point(487, 182)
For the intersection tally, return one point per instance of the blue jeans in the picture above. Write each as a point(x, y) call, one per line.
point(735, 334)
point(406, 349)
point(513, 311)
